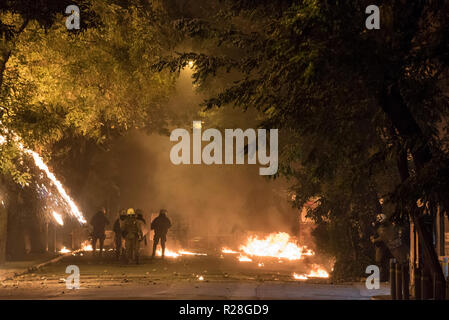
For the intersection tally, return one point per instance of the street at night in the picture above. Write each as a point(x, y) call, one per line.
point(218, 150)
point(223, 278)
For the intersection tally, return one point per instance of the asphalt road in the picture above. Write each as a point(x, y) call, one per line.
point(190, 277)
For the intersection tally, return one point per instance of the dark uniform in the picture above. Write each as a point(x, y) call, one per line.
point(118, 234)
point(140, 217)
point(132, 232)
point(99, 222)
point(160, 225)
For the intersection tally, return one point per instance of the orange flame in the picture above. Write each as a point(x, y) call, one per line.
point(227, 250)
point(277, 245)
point(244, 259)
point(299, 276)
point(181, 252)
point(316, 272)
point(58, 218)
point(64, 250)
point(41, 165)
point(86, 246)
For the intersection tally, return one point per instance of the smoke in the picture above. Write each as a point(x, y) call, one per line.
point(215, 199)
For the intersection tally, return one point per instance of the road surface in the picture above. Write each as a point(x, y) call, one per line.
point(189, 277)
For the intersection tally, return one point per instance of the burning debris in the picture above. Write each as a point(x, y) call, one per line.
point(244, 259)
point(227, 250)
point(316, 272)
point(65, 250)
point(280, 246)
point(181, 252)
point(277, 245)
point(86, 246)
point(299, 276)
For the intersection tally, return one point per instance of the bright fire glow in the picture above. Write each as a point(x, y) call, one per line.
point(168, 253)
point(184, 252)
point(74, 211)
point(86, 246)
point(41, 165)
point(58, 218)
point(175, 254)
point(244, 259)
point(65, 250)
point(277, 245)
point(299, 276)
point(227, 250)
point(316, 272)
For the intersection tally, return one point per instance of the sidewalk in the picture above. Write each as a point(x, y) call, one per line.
point(14, 268)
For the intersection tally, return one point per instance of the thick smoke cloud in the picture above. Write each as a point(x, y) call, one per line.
point(214, 199)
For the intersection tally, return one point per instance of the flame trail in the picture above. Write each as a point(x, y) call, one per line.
point(58, 218)
point(181, 252)
point(74, 211)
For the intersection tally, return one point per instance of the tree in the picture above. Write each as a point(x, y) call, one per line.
point(354, 104)
point(61, 89)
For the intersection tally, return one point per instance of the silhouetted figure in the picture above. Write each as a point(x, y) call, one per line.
point(143, 225)
point(160, 225)
point(132, 231)
point(118, 233)
point(99, 222)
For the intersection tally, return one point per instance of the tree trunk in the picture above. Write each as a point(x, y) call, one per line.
point(394, 106)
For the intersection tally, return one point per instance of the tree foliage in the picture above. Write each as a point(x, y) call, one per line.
point(93, 83)
point(356, 108)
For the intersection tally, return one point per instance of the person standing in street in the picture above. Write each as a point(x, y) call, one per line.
point(132, 232)
point(118, 233)
point(160, 225)
point(99, 223)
